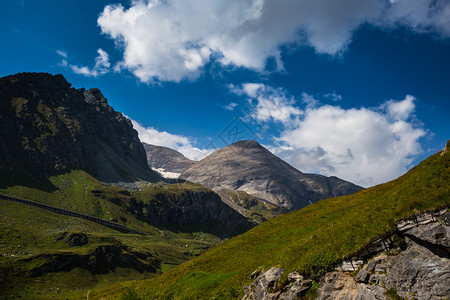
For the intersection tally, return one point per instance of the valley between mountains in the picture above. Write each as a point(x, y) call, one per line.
point(239, 224)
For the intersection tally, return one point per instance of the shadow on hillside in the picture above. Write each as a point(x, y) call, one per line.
point(27, 180)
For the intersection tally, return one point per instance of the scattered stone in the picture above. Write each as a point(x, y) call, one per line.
point(362, 276)
point(371, 265)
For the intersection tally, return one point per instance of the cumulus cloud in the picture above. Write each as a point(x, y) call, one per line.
point(364, 145)
point(172, 40)
point(180, 143)
point(101, 67)
point(268, 103)
point(419, 15)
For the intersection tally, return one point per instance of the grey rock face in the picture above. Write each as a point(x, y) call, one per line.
point(264, 286)
point(434, 233)
point(259, 289)
point(362, 276)
point(338, 285)
point(159, 157)
point(422, 271)
point(249, 167)
point(48, 128)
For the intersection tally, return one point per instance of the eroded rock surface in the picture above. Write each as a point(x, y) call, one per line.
point(418, 269)
point(422, 271)
point(265, 286)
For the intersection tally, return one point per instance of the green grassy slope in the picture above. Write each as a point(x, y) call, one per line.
point(30, 237)
point(310, 240)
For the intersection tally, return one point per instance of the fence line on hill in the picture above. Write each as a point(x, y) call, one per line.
point(66, 212)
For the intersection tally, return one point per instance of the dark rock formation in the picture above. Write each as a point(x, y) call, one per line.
point(49, 128)
point(247, 166)
point(189, 208)
point(101, 260)
point(73, 239)
point(164, 159)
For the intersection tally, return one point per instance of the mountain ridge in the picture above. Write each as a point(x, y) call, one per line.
point(310, 242)
point(166, 161)
point(54, 128)
point(247, 166)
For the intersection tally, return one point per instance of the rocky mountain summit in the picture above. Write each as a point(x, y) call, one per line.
point(167, 162)
point(247, 166)
point(48, 127)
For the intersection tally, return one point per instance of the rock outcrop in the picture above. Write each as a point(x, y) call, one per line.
point(48, 128)
point(249, 167)
point(416, 267)
point(265, 286)
point(421, 271)
point(100, 260)
point(189, 208)
point(167, 162)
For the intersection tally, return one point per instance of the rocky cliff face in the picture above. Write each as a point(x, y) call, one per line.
point(168, 162)
point(412, 264)
point(183, 208)
point(249, 167)
point(47, 128)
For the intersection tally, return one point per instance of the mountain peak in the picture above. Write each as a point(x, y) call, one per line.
point(246, 143)
point(247, 166)
point(166, 161)
point(52, 128)
point(40, 79)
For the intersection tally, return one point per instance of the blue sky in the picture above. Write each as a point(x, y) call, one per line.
point(354, 88)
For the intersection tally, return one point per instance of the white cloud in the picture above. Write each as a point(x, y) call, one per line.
point(400, 110)
point(309, 100)
point(271, 104)
point(63, 56)
point(419, 15)
point(231, 106)
point(172, 40)
point(62, 53)
point(180, 143)
point(364, 145)
point(101, 67)
point(333, 96)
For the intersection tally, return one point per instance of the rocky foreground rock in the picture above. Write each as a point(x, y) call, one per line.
point(247, 166)
point(419, 269)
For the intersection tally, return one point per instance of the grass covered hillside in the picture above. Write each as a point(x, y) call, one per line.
point(44, 254)
point(310, 240)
